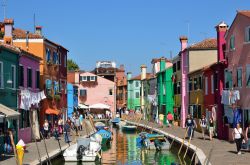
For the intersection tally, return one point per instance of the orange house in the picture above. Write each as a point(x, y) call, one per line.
point(53, 71)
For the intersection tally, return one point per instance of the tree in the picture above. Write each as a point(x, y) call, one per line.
point(72, 65)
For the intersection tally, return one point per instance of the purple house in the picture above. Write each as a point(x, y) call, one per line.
point(28, 79)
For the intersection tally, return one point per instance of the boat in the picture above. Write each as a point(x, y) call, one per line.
point(85, 150)
point(116, 120)
point(99, 125)
point(121, 124)
point(129, 128)
point(153, 141)
point(106, 136)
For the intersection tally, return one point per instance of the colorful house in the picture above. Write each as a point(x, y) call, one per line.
point(134, 92)
point(52, 69)
point(165, 88)
point(237, 74)
point(93, 89)
point(70, 99)
point(121, 88)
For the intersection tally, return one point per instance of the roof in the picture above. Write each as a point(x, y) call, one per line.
point(13, 49)
point(28, 54)
point(138, 77)
point(244, 12)
point(210, 43)
point(155, 60)
point(8, 112)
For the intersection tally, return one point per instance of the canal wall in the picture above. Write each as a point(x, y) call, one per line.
point(202, 158)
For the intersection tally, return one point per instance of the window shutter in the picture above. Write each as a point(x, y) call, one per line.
point(80, 78)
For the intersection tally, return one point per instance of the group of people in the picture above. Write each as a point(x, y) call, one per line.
point(60, 127)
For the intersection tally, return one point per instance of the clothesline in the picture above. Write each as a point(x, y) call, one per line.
point(29, 98)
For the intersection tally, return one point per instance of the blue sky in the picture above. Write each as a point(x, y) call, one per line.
point(130, 32)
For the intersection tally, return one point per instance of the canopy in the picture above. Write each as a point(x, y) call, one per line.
point(9, 113)
point(83, 106)
point(99, 106)
point(50, 111)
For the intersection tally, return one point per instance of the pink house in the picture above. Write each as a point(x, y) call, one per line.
point(237, 75)
point(93, 89)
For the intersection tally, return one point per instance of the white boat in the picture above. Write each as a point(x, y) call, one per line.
point(84, 150)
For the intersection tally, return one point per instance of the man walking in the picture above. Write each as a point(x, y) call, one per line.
point(67, 131)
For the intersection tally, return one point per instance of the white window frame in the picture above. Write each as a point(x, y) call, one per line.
point(206, 85)
point(247, 35)
point(212, 84)
point(84, 78)
point(2, 77)
point(13, 85)
point(92, 77)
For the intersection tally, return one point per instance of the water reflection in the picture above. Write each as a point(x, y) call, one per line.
point(123, 151)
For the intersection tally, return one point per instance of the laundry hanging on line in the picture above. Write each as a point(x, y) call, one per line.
point(29, 98)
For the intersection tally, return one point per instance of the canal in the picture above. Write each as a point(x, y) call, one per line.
point(123, 151)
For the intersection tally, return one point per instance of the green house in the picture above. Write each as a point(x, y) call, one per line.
point(165, 89)
point(9, 62)
point(134, 92)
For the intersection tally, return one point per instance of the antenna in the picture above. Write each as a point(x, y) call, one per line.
point(188, 23)
point(4, 4)
point(34, 21)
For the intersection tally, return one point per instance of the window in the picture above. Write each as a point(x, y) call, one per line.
point(37, 79)
point(1, 75)
point(47, 55)
point(206, 86)
point(136, 84)
point(137, 95)
point(175, 88)
point(110, 92)
point(190, 84)
point(24, 122)
point(92, 78)
point(21, 75)
point(199, 112)
point(195, 83)
point(247, 34)
point(212, 84)
point(48, 86)
point(248, 75)
point(56, 87)
point(232, 42)
point(29, 78)
point(83, 78)
point(55, 58)
point(200, 82)
point(239, 77)
point(179, 87)
point(83, 92)
point(13, 76)
point(216, 81)
point(164, 89)
point(228, 79)
point(174, 67)
point(178, 65)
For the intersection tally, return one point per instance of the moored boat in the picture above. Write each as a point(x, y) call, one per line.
point(99, 125)
point(85, 150)
point(106, 136)
point(129, 128)
point(116, 120)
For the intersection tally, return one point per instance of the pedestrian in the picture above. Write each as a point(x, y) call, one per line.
point(211, 128)
point(46, 128)
point(189, 124)
point(81, 121)
point(203, 124)
point(77, 125)
point(238, 137)
point(67, 131)
point(248, 136)
point(170, 118)
point(194, 126)
point(55, 132)
point(60, 125)
point(161, 117)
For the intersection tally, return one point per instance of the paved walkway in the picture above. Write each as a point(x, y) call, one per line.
point(32, 157)
point(220, 152)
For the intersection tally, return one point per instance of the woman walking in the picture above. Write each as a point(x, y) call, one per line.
point(211, 128)
point(203, 124)
point(238, 137)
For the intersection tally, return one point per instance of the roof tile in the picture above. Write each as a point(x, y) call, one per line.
point(205, 44)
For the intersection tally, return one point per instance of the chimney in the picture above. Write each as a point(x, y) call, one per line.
point(143, 72)
point(183, 40)
point(162, 64)
point(8, 31)
point(39, 30)
point(221, 29)
point(129, 75)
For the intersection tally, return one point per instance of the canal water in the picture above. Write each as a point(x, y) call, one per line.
point(123, 151)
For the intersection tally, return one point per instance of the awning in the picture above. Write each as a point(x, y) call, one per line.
point(83, 106)
point(99, 106)
point(8, 112)
point(51, 111)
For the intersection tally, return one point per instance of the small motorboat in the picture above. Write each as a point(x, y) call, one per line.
point(116, 120)
point(85, 150)
point(106, 136)
point(129, 128)
point(121, 124)
point(99, 125)
point(153, 141)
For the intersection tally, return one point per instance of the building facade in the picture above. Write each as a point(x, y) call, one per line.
point(134, 92)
